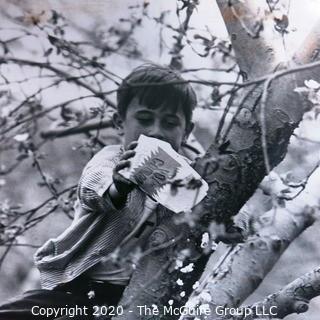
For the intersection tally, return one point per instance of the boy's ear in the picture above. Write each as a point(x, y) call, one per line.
point(117, 120)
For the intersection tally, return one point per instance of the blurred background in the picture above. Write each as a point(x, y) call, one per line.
point(60, 64)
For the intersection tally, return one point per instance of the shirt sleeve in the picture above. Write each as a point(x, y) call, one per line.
point(96, 178)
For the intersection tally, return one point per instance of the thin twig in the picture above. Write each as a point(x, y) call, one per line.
point(301, 184)
point(63, 74)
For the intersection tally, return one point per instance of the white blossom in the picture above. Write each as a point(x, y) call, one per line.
point(91, 294)
point(21, 137)
point(179, 264)
point(188, 268)
point(312, 84)
point(214, 246)
point(205, 240)
point(182, 294)
point(196, 285)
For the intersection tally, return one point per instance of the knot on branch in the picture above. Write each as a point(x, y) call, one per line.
point(276, 243)
point(245, 119)
point(300, 306)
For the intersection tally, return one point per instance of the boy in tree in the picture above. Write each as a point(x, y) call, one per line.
point(91, 262)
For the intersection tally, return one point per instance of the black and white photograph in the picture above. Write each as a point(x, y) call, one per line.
point(159, 159)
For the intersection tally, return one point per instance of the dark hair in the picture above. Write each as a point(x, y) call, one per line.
point(145, 83)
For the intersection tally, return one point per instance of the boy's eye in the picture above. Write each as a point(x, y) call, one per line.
point(172, 122)
point(144, 118)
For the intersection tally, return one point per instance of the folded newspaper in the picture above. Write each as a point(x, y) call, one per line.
point(165, 175)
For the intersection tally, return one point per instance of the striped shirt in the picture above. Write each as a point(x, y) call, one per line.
point(98, 228)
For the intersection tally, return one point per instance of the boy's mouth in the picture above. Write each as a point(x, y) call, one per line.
point(159, 138)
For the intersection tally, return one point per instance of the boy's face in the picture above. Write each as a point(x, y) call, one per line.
point(161, 123)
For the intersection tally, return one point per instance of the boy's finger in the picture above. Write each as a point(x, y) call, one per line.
point(128, 154)
point(132, 145)
point(118, 178)
point(122, 164)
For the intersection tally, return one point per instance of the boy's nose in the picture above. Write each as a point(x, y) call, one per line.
point(156, 132)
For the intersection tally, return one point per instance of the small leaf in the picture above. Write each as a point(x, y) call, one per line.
point(282, 22)
point(53, 40)
point(48, 52)
point(54, 17)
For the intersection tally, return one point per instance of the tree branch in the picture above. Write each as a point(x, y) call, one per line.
point(293, 298)
point(57, 133)
point(58, 72)
point(176, 60)
point(247, 264)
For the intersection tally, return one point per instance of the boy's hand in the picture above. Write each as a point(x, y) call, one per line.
point(123, 185)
